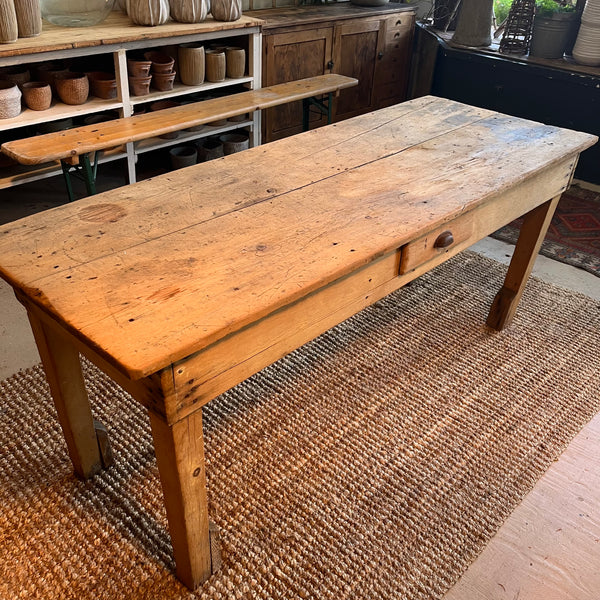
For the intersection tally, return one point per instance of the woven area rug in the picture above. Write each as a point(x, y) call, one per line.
point(574, 233)
point(375, 462)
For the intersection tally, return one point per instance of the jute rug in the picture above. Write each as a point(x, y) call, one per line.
point(574, 233)
point(376, 462)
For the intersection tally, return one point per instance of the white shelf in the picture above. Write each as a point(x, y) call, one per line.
point(117, 37)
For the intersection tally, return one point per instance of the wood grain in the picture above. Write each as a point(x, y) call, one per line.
point(148, 291)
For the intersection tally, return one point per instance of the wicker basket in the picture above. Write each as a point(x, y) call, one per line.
point(72, 88)
point(10, 100)
point(37, 95)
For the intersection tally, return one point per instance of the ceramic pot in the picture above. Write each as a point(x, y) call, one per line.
point(160, 61)
point(226, 10)
point(235, 59)
point(474, 25)
point(209, 149)
point(103, 84)
point(10, 100)
point(189, 11)
point(18, 75)
point(72, 88)
point(9, 30)
point(550, 35)
point(234, 142)
point(137, 67)
point(191, 64)
point(37, 95)
point(163, 82)
point(183, 156)
point(139, 86)
point(148, 12)
point(29, 18)
point(215, 65)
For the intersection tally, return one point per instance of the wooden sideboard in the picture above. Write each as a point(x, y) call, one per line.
point(373, 44)
point(110, 43)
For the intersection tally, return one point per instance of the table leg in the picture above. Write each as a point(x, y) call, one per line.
point(179, 451)
point(532, 235)
point(63, 371)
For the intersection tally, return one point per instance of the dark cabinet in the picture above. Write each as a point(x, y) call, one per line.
point(375, 48)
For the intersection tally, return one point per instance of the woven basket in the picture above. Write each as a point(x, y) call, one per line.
point(72, 88)
point(37, 95)
point(10, 100)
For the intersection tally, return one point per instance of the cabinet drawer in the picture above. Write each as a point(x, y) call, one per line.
point(398, 27)
point(447, 239)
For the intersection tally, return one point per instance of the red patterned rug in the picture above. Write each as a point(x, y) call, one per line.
point(574, 234)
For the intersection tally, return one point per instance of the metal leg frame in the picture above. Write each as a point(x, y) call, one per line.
point(84, 170)
point(323, 107)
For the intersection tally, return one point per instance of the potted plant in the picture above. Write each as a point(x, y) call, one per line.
point(552, 27)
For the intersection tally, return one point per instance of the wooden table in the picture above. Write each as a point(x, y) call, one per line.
point(183, 286)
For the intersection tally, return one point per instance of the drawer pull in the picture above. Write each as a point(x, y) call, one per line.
point(444, 240)
point(398, 22)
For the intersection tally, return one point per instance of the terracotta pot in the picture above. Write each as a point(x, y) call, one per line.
point(139, 86)
point(163, 82)
point(138, 68)
point(103, 84)
point(215, 65)
point(10, 100)
point(191, 64)
point(72, 88)
point(161, 62)
point(37, 95)
point(18, 75)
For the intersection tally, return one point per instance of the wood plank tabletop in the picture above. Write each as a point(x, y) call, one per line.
point(149, 273)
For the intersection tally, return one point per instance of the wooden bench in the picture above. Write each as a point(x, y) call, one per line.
point(74, 146)
point(183, 286)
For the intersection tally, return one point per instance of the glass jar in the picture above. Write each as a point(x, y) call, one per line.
point(76, 13)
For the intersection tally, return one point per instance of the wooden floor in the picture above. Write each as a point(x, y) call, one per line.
point(548, 549)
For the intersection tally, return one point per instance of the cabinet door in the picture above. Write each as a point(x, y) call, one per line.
point(290, 56)
point(393, 66)
point(356, 45)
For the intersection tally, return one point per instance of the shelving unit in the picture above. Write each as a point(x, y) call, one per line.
point(117, 36)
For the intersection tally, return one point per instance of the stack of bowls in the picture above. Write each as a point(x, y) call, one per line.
point(163, 74)
point(587, 46)
point(139, 76)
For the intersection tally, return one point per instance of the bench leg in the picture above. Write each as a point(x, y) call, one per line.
point(532, 235)
point(180, 457)
point(63, 371)
point(88, 174)
point(324, 108)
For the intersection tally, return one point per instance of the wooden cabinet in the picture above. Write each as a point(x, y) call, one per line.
point(373, 45)
point(110, 44)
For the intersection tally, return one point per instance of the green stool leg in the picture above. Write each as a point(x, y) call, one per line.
point(84, 170)
point(305, 113)
point(89, 174)
point(329, 107)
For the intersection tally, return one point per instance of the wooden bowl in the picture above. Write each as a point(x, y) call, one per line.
point(72, 88)
point(103, 84)
point(37, 95)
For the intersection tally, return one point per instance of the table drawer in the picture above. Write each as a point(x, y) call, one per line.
point(397, 27)
point(459, 233)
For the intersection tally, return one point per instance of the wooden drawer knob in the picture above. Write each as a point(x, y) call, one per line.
point(444, 240)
